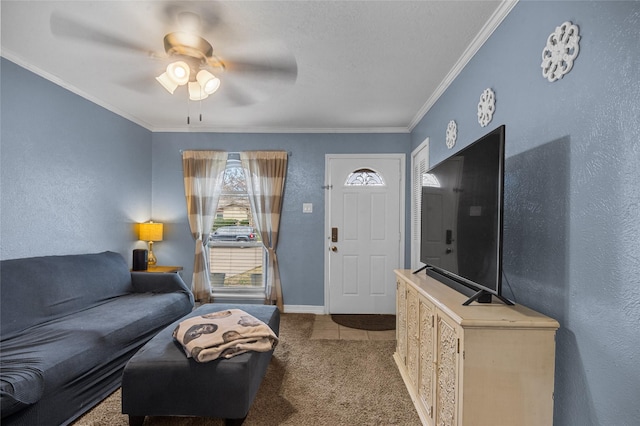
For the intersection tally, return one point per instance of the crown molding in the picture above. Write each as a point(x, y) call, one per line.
point(11, 56)
point(300, 130)
point(16, 59)
point(496, 19)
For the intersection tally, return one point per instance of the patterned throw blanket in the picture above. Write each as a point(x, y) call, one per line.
point(224, 334)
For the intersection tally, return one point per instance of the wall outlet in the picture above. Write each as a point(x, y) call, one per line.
point(307, 208)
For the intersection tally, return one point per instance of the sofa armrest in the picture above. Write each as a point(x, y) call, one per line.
point(21, 384)
point(144, 282)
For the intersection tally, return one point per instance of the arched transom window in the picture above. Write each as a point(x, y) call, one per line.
point(364, 177)
point(431, 180)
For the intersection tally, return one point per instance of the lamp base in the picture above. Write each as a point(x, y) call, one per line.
point(152, 257)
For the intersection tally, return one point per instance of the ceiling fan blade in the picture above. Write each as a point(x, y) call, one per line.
point(287, 70)
point(235, 94)
point(142, 84)
point(64, 26)
point(257, 72)
point(264, 59)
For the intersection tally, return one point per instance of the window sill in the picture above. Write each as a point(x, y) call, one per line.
point(238, 294)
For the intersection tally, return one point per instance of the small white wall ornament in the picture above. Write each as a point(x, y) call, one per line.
point(561, 50)
point(452, 134)
point(486, 107)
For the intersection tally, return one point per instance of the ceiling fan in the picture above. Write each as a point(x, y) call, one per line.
point(193, 61)
point(195, 54)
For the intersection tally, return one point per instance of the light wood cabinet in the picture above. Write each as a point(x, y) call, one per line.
point(482, 364)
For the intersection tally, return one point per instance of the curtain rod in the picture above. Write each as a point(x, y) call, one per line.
point(289, 153)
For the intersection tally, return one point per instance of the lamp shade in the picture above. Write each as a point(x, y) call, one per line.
point(179, 72)
point(195, 92)
point(167, 83)
point(208, 81)
point(151, 231)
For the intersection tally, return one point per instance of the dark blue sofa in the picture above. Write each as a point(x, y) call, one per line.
point(69, 324)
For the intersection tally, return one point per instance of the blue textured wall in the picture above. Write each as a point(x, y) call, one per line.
point(74, 177)
point(301, 248)
point(572, 191)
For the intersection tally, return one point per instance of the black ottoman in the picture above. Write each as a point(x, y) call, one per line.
point(160, 380)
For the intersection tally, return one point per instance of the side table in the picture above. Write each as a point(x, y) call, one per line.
point(162, 269)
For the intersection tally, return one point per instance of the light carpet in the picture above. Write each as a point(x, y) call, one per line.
point(309, 382)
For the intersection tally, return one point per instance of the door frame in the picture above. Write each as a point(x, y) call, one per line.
point(327, 210)
point(418, 154)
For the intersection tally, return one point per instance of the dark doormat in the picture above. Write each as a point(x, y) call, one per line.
point(371, 322)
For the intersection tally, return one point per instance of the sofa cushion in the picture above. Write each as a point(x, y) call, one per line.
point(67, 348)
point(20, 385)
point(69, 325)
point(40, 289)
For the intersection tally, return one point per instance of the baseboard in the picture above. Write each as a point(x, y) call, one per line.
point(304, 309)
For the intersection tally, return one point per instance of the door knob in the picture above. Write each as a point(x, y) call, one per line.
point(333, 249)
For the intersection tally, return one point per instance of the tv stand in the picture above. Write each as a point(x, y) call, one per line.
point(484, 296)
point(420, 270)
point(473, 294)
point(482, 364)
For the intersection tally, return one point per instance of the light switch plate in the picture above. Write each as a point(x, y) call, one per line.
point(307, 208)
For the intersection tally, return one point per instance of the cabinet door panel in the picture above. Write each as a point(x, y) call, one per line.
point(401, 324)
point(427, 361)
point(447, 371)
point(413, 342)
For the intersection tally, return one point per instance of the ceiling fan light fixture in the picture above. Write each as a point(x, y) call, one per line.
point(195, 52)
point(167, 82)
point(196, 92)
point(179, 72)
point(208, 81)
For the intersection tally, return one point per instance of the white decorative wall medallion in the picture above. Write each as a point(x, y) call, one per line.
point(452, 134)
point(486, 107)
point(561, 50)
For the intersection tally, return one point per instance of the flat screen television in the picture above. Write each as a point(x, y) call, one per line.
point(462, 205)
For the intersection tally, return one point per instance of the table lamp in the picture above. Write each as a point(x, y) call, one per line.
point(151, 231)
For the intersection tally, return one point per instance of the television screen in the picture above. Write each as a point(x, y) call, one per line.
point(462, 203)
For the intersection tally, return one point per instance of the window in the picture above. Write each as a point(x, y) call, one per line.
point(430, 180)
point(236, 254)
point(364, 177)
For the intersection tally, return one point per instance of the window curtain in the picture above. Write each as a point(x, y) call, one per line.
point(203, 178)
point(265, 174)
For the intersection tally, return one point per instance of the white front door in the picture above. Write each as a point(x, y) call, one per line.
point(364, 232)
point(441, 249)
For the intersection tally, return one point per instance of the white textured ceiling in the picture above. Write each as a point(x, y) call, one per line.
point(362, 66)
